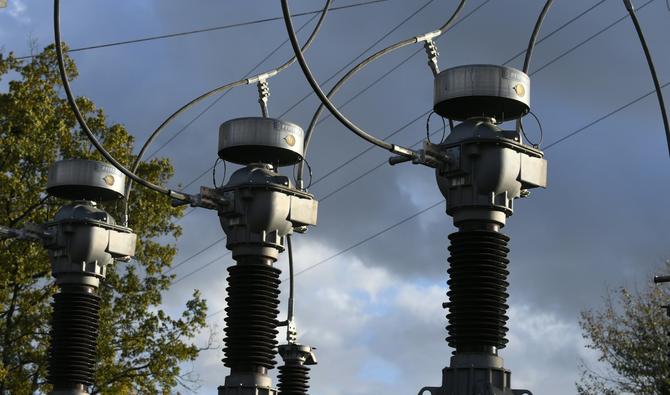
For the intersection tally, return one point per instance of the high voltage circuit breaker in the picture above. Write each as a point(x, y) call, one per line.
point(481, 169)
point(82, 240)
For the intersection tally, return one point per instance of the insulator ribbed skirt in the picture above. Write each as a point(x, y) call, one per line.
point(293, 379)
point(251, 324)
point(477, 289)
point(74, 333)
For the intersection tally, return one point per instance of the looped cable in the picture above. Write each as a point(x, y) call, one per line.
point(225, 170)
point(444, 128)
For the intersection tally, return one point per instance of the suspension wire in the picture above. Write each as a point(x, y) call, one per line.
point(652, 69)
point(244, 81)
point(209, 29)
point(84, 126)
point(430, 35)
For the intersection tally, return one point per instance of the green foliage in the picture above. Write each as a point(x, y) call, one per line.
point(630, 334)
point(140, 347)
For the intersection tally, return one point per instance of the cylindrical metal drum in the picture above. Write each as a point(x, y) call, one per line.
point(81, 179)
point(478, 90)
point(261, 140)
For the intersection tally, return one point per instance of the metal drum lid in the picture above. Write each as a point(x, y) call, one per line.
point(261, 140)
point(80, 179)
point(479, 90)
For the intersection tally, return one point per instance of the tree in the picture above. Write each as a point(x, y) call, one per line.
point(140, 347)
point(631, 335)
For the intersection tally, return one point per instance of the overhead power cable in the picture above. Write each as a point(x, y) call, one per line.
point(197, 253)
point(427, 37)
point(602, 118)
point(245, 81)
point(357, 57)
point(652, 69)
point(370, 148)
point(340, 70)
point(84, 126)
point(209, 29)
point(586, 40)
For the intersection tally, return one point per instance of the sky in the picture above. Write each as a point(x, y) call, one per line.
point(374, 312)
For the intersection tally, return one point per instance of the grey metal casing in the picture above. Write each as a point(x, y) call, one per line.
point(487, 170)
point(81, 179)
point(84, 240)
point(263, 207)
point(267, 140)
point(247, 384)
point(475, 374)
point(479, 90)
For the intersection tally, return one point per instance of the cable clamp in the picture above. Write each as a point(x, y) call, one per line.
point(261, 77)
point(31, 232)
point(428, 36)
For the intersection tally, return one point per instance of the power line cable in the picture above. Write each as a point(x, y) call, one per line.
point(330, 78)
point(260, 78)
point(564, 25)
point(82, 122)
point(209, 29)
point(427, 38)
point(219, 98)
point(652, 69)
point(352, 61)
point(602, 118)
point(583, 42)
point(197, 253)
point(203, 267)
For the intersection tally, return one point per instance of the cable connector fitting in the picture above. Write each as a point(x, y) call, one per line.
point(431, 51)
point(261, 77)
point(263, 96)
point(428, 36)
point(31, 232)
